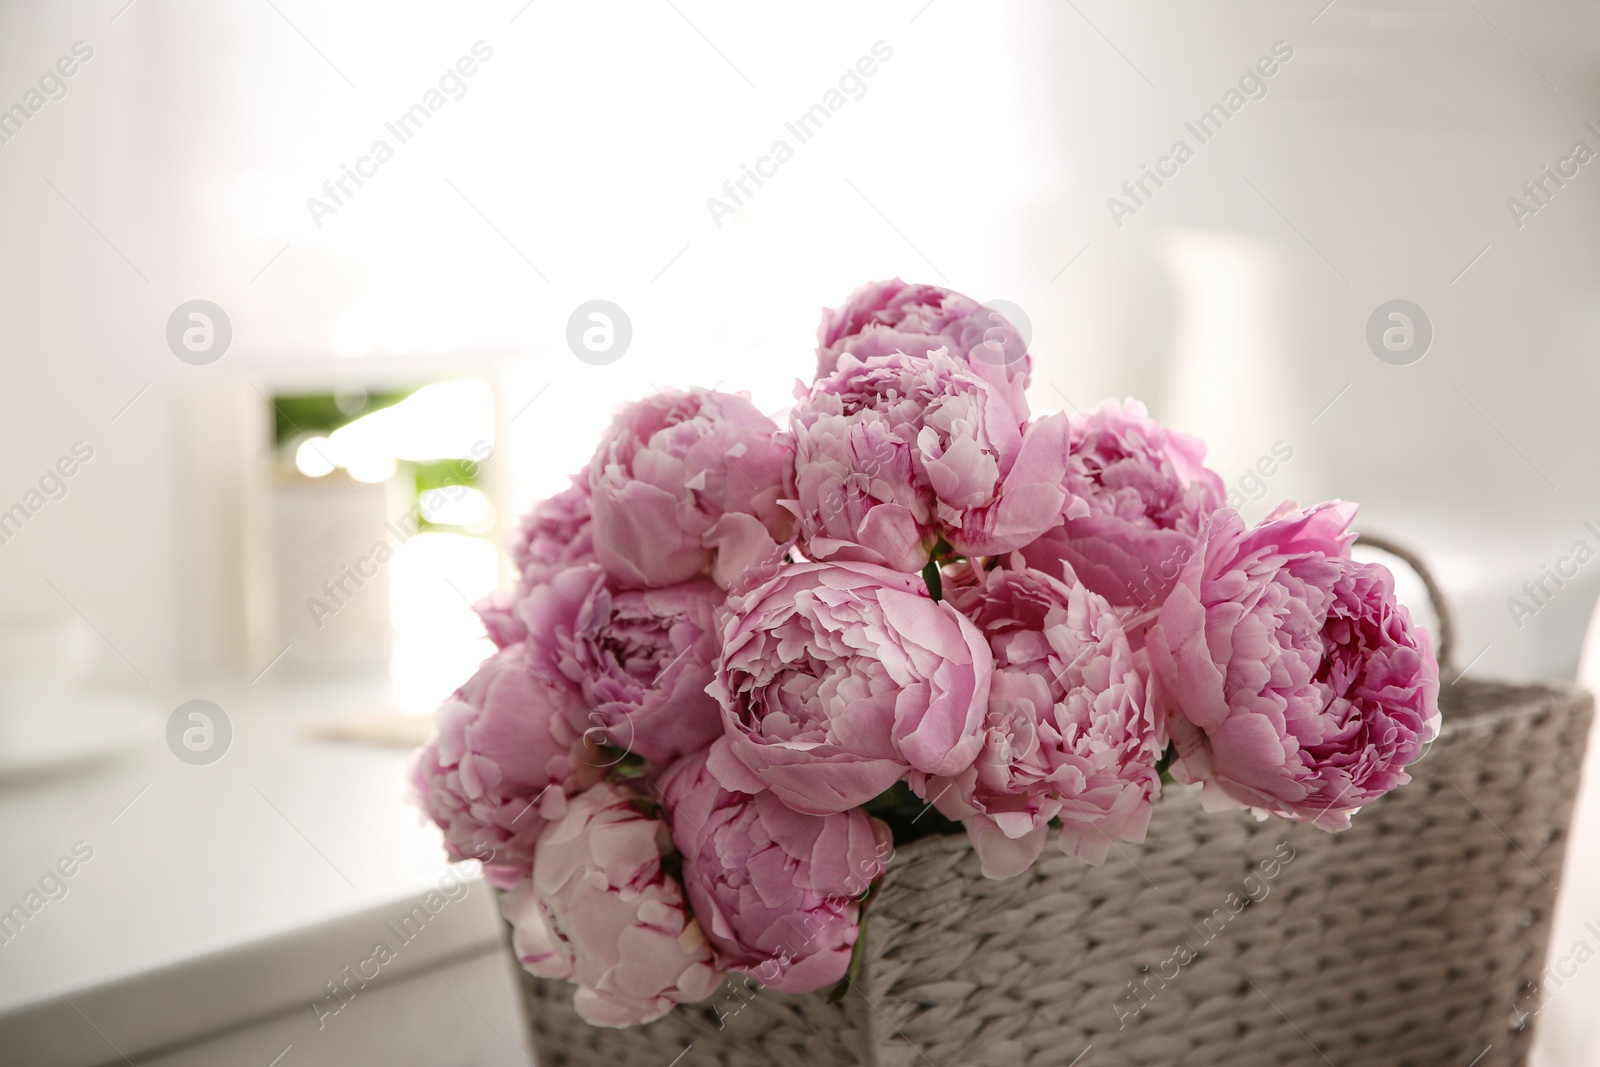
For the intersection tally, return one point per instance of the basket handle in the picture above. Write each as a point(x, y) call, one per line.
point(1441, 607)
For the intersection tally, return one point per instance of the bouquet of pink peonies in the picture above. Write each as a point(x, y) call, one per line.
point(743, 661)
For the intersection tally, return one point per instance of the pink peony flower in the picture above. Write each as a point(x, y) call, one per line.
point(837, 678)
point(1288, 677)
point(600, 911)
point(1138, 493)
point(774, 890)
point(554, 533)
point(688, 482)
point(636, 662)
point(502, 761)
point(895, 452)
point(1069, 733)
point(498, 613)
point(882, 318)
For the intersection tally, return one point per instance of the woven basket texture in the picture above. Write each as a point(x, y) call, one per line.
point(1410, 939)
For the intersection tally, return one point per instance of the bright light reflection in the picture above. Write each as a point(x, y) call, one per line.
point(312, 458)
point(450, 420)
point(458, 506)
point(438, 640)
point(370, 468)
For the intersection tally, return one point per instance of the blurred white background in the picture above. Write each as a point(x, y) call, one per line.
point(576, 164)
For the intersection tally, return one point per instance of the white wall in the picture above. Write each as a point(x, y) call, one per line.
point(578, 165)
point(982, 154)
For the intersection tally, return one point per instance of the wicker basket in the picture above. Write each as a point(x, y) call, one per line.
point(1410, 939)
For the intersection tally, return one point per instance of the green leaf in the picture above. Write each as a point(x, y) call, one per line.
point(858, 951)
point(908, 816)
point(933, 580)
point(627, 765)
point(1166, 761)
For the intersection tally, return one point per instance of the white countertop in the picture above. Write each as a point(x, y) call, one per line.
point(222, 893)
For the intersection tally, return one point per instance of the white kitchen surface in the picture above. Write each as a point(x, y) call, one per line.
point(1568, 1031)
point(220, 900)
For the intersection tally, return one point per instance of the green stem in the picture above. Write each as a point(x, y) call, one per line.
point(1165, 762)
point(858, 953)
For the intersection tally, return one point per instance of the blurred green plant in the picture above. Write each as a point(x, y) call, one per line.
point(439, 474)
point(299, 416)
point(319, 414)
